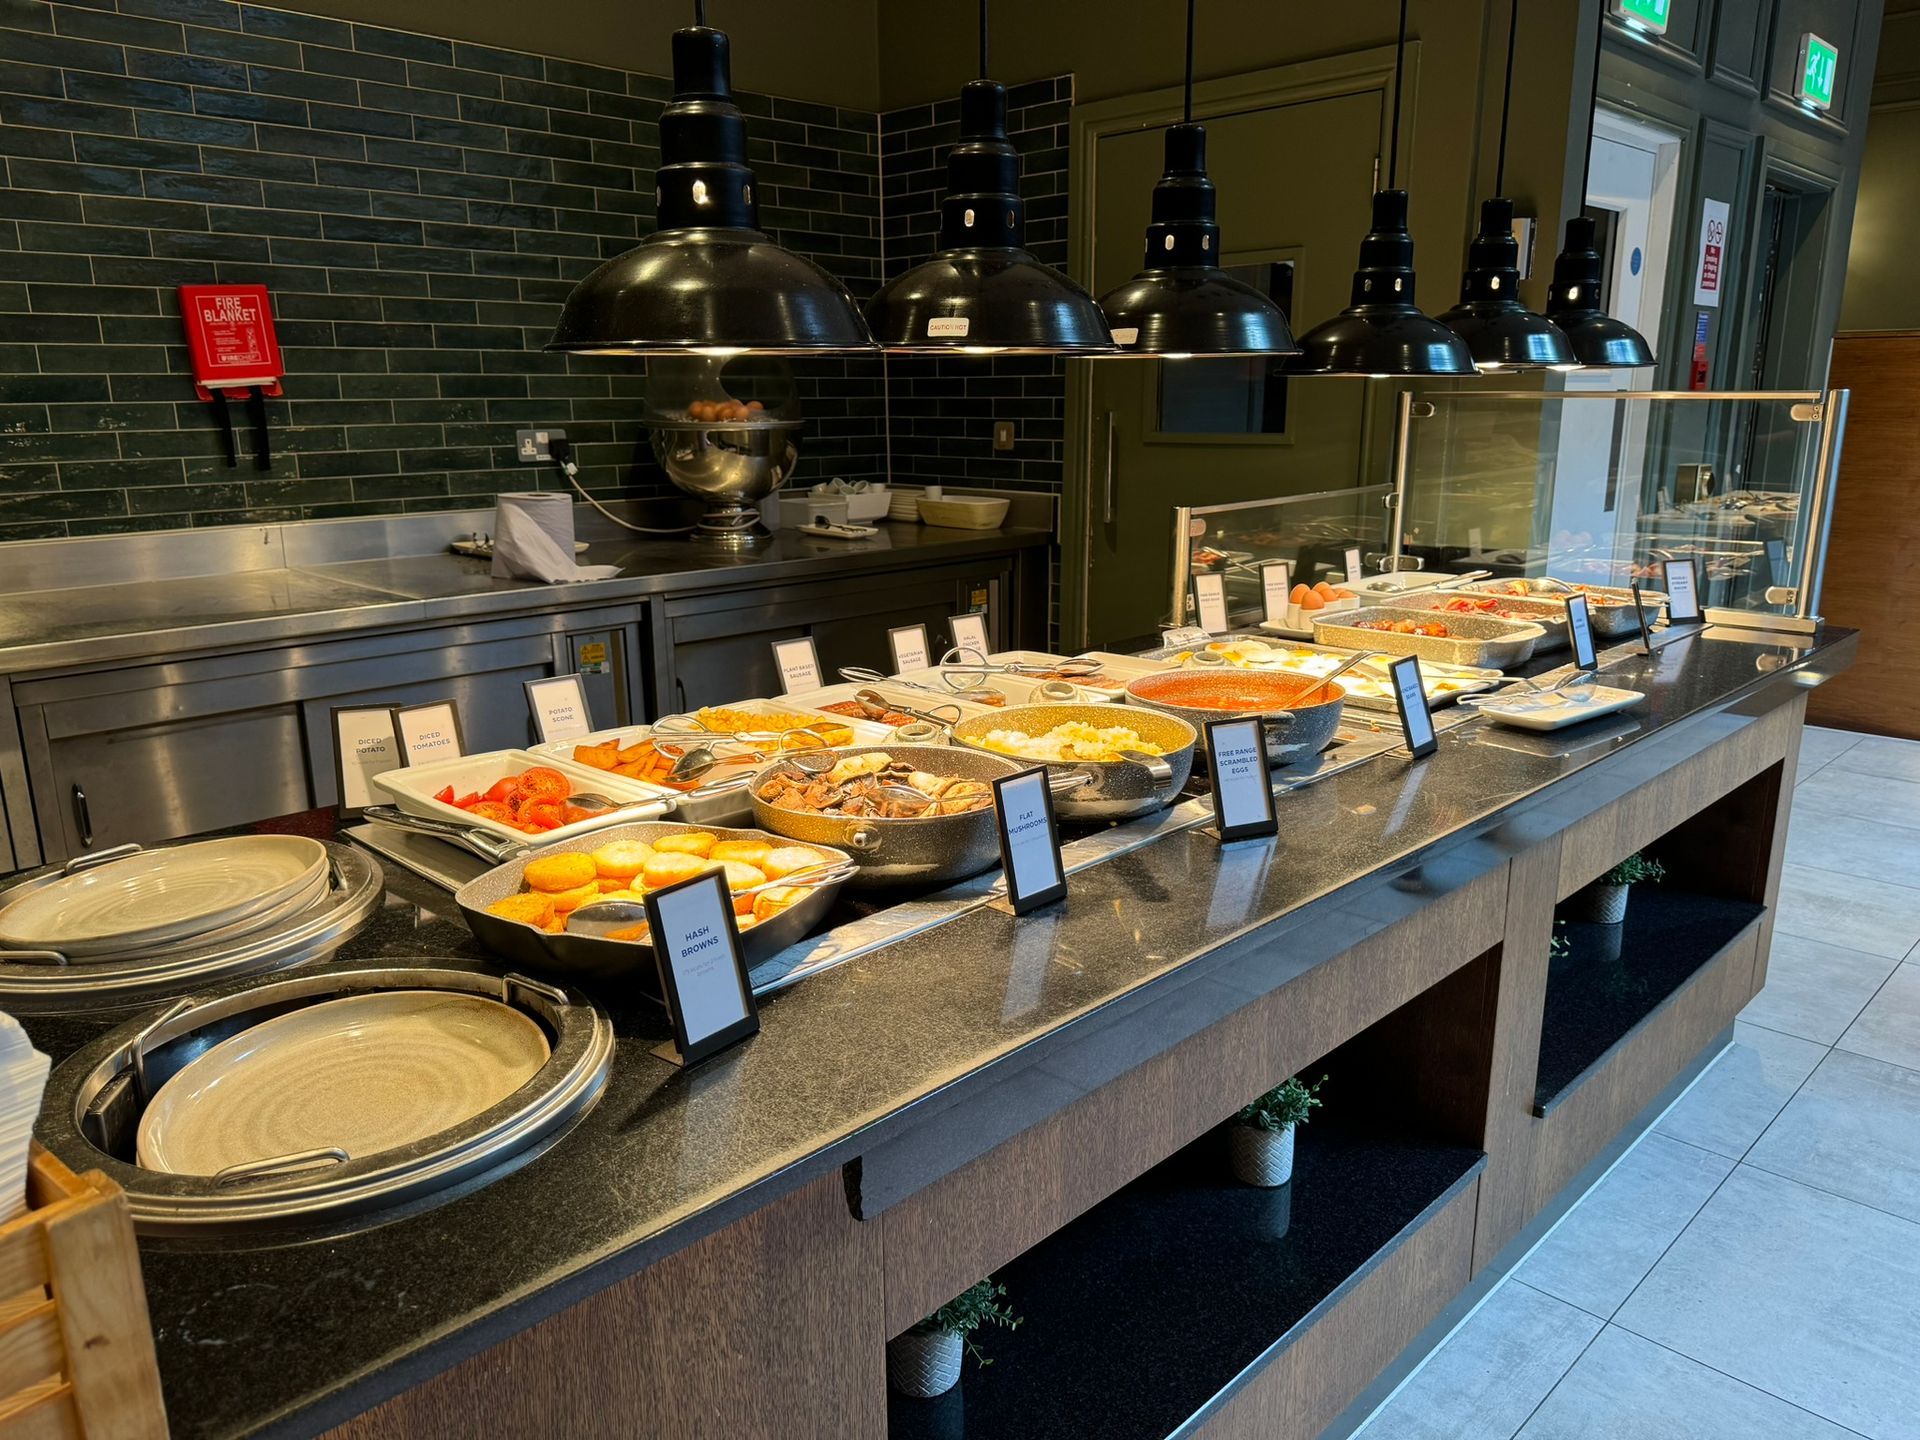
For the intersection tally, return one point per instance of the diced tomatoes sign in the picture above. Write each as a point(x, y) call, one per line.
point(230, 334)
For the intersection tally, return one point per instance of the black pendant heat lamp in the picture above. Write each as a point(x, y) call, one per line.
point(1182, 303)
point(983, 292)
point(1382, 332)
point(1501, 333)
point(707, 281)
point(1577, 302)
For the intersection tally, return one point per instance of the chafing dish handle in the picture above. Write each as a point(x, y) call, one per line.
point(138, 1047)
point(279, 1165)
point(99, 857)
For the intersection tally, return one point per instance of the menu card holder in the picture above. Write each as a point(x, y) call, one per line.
point(909, 646)
point(969, 632)
point(798, 664)
point(1640, 614)
point(1242, 787)
point(1029, 835)
point(1683, 593)
point(429, 732)
point(364, 745)
point(1276, 585)
point(1580, 628)
point(1410, 699)
point(1210, 599)
point(702, 971)
point(559, 708)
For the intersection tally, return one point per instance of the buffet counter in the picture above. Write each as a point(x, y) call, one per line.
point(725, 1250)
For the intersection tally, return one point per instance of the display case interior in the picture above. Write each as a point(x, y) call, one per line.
point(1554, 488)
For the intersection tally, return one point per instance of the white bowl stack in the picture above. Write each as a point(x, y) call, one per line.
point(23, 1080)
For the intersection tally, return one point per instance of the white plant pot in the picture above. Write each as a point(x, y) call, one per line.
point(925, 1363)
point(1599, 904)
point(1260, 1157)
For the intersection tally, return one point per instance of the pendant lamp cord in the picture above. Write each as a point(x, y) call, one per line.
point(700, 13)
point(1593, 113)
point(1506, 99)
point(1399, 69)
point(983, 39)
point(1186, 113)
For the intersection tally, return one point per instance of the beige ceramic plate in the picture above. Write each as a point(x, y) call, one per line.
point(206, 941)
point(366, 1073)
point(162, 895)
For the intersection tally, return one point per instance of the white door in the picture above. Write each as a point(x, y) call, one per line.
point(1633, 175)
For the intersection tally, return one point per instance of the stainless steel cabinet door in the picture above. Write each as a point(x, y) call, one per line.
point(162, 781)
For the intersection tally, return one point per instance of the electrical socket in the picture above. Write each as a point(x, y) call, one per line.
point(1003, 434)
point(533, 446)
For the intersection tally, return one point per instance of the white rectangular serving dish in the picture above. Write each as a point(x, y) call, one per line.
point(1542, 712)
point(413, 788)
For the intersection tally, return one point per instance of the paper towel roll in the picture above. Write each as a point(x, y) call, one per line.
point(533, 536)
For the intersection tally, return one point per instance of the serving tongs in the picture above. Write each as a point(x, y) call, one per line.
point(964, 669)
point(704, 751)
point(1388, 596)
point(598, 919)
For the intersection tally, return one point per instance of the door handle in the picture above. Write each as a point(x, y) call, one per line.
point(1110, 503)
point(82, 816)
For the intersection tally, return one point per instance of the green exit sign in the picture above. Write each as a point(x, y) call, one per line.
point(1647, 14)
point(1819, 64)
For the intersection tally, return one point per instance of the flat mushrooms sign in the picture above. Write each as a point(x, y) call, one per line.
point(1029, 840)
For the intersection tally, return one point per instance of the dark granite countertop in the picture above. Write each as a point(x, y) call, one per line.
point(914, 1057)
point(93, 624)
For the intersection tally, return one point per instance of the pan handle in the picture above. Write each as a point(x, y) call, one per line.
point(863, 839)
point(1160, 771)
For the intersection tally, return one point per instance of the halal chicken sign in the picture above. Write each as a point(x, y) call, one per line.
point(230, 334)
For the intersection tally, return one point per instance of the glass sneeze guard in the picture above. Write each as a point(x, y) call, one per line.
point(1603, 487)
point(1310, 533)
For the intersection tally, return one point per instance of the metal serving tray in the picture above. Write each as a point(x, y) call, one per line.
point(1549, 615)
point(1610, 622)
point(1444, 683)
point(1476, 640)
point(588, 957)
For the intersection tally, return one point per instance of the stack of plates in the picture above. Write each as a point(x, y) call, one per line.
point(903, 504)
point(176, 901)
point(364, 1074)
point(23, 1079)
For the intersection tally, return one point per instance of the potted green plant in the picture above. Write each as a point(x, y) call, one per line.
point(925, 1361)
point(1604, 902)
point(1260, 1139)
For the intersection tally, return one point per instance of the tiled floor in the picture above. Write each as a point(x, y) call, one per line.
point(1750, 1270)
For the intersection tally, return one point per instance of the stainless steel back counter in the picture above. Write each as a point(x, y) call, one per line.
point(154, 685)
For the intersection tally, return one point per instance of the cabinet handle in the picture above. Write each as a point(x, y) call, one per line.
point(82, 816)
point(1108, 508)
point(680, 689)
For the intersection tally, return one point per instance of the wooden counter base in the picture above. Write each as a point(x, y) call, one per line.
point(777, 1325)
